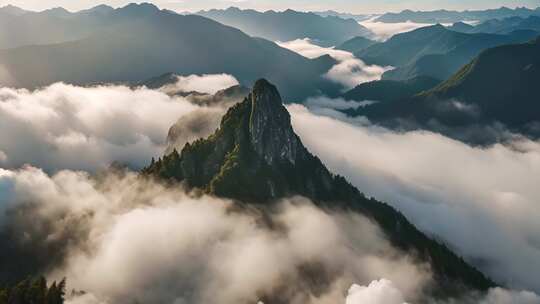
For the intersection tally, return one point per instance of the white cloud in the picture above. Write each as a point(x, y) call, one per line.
point(133, 240)
point(503, 296)
point(335, 103)
point(384, 31)
point(349, 71)
point(384, 291)
point(200, 123)
point(377, 292)
point(208, 84)
point(64, 126)
point(481, 201)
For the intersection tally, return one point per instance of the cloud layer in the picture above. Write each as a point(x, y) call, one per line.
point(204, 249)
point(349, 72)
point(377, 292)
point(125, 238)
point(483, 202)
point(130, 239)
point(68, 127)
point(208, 84)
point(384, 31)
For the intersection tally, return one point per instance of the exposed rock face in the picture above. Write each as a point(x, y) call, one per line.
point(270, 127)
point(204, 121)
point(256, 158)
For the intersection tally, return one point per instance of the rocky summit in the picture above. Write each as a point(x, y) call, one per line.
point(271, 134)
point(256, 158)
point(254, 155)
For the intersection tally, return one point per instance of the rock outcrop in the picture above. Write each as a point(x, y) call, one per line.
point(271, 133)
point(256, 158)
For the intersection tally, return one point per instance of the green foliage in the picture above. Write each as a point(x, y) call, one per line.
point(34, 291)
point(226, 165)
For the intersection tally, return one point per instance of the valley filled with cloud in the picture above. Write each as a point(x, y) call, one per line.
point(118, 187)
point(451, 190)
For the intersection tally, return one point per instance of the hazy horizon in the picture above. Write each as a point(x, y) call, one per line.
point(343, 6)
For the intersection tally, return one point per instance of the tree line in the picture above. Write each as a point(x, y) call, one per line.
point(34, 291)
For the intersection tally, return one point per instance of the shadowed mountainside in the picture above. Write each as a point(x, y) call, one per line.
point(146, 41)
point(256, 157)
point(499, 86)
point(434, 51)
point(389, 90)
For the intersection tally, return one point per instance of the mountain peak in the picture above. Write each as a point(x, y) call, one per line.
point(437, 26)
point(57, 12)
point(270, 127)
point(137, 9)
point(255, 139)
point(12, 10)
point(100, 9)
point(256, 158)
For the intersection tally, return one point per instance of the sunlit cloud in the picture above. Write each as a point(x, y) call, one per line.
point(349, 71)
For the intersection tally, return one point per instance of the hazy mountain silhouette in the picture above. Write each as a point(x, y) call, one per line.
point(500, 26)
point(434, 51)
point(356, 44)
point(357, 17)
point(12, 10)
point(289, 25)
point(142, 41)
point(446, 16)
point(499, 86)
point(19, 27)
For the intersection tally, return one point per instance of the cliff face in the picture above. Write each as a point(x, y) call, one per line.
point(254, 155)
point(256, 158)
point(271, 134)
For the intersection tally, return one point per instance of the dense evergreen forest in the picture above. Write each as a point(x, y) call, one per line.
point(33, 291)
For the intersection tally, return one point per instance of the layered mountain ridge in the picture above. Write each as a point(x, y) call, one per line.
point(140, 41)
point(289, 25)
point(500, 86)
point(447, 16)
point(434, 51)
point(255, 157)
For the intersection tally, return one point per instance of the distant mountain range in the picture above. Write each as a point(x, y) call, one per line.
point(446, 16)
point(289, 25)
point(500, 26)
point(12, 10)
point(500, 86)
point(138, 42)
point(357, 17)
point(434, 51)
point(19, 27)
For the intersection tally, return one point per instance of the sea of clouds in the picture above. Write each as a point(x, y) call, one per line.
point(481, 201)
point(119, 237)
point(52, 127)
point(131, 239)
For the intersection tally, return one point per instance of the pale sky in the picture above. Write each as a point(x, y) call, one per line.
point(351, 6)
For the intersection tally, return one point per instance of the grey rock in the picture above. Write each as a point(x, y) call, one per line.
point(271, 133)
